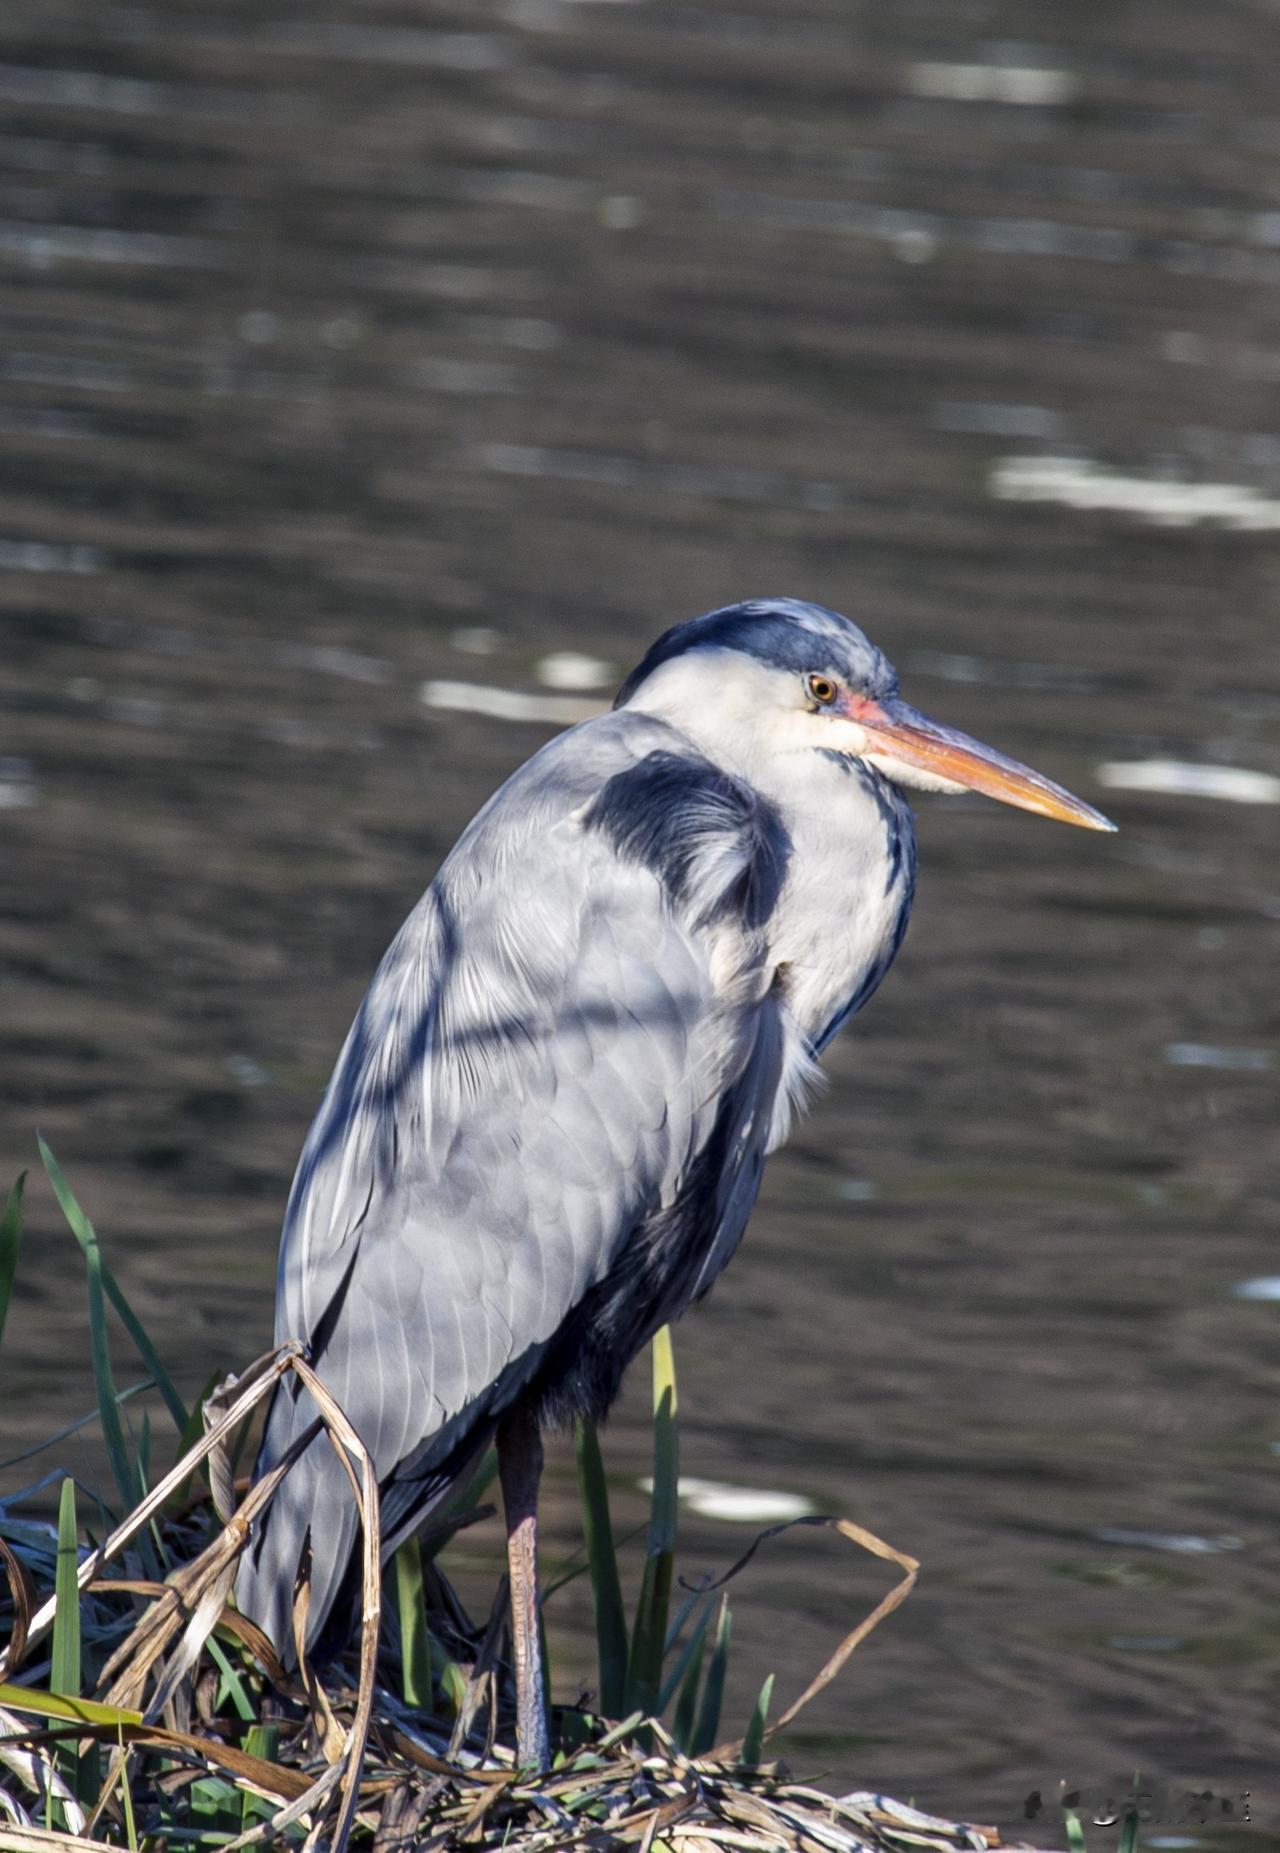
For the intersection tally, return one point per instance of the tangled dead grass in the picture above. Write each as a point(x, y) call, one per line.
point(154, 1760)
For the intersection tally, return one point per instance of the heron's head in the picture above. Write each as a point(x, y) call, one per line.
point(781, 677)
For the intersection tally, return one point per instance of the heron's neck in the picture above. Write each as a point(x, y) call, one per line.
point(842, 913)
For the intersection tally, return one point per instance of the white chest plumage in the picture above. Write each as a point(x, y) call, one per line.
point(855, 840)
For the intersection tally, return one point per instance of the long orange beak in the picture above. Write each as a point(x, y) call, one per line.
point(898, 731)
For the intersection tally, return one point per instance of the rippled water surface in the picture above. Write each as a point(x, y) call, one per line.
point(350, 349)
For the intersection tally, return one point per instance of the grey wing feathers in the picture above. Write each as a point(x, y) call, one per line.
point(543, 1054)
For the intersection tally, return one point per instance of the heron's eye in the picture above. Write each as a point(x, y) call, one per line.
point(821, 689)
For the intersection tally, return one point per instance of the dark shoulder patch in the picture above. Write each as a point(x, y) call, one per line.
point(714, 844)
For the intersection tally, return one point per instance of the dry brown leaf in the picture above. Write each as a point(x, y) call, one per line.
point(23, 1590)
point(867, 1541)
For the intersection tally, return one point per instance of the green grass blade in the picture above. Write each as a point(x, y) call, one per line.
point(602, 1560)
point(143, 1454)
point(666, 1448)
point(193, 1427)
point(261, 1740)
point(689, 1672)
point(216, 1807)
point(708, 1725)
point(1128, 1841)
point(1075, 1832)
point(10, 1239)
point(415, 1640)
point(753, 1742)
point(29, 1699)
point(692, 1649)
point(648, 1639)
point(126, 1795)
point(104, 1382)
point(453, 1681)
point(683, 1613)
point(231, 1685)
point(83, 1231)
point(64, 1677)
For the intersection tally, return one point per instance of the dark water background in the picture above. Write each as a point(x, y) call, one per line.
point(331, 335)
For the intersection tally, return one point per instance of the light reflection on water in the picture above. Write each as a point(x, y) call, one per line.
point(351, 359)
point(1235, 784)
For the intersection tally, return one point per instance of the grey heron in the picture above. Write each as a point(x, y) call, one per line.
point(546, 1129)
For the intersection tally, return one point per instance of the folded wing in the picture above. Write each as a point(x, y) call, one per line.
point(549, 1116)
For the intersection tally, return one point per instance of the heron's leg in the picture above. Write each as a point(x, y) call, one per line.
point(519, 1465)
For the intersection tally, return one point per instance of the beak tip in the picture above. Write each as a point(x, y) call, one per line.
point(1082, 815)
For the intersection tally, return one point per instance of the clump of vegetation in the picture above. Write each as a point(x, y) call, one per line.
point(139, 1708)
